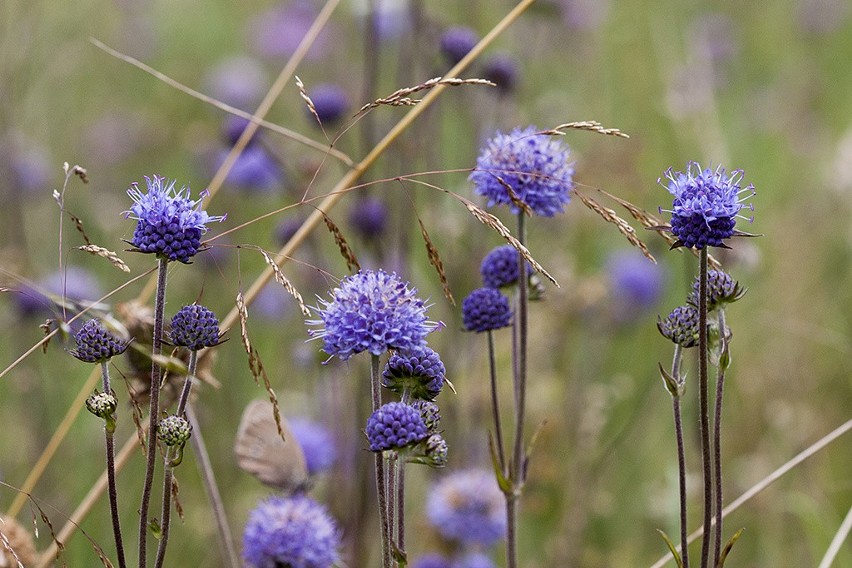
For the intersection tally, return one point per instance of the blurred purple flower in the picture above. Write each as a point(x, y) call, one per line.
point(80, 285)
point(317, 444)
point(456, 42)
point(239, 81)
point(254, 170)
point(636, 283)
point(29, 166)
point(584, 14)
point(277, 31)
point(369, 217)
point(432, 560)
point(390, 18)
point(502, 69)
point(286, 229)
point(330, 101)
point(714, 35)
point(468, 507)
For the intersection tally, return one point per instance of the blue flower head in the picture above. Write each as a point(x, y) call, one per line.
point(706, 205)
point(456, 42)
point(486, 309)
point(681, 326)
point(499, 268)
point(293, 531)
point(195, 327)
point(636, 283)
point(96, 344)
point(468, 507)
point(721, 290)
point(371, 311)
point(330, 101)
point(419, 371)
point(535, 166)
point(170, 224)
point(395, 425)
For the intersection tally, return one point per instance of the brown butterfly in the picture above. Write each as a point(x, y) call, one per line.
point(261, 452)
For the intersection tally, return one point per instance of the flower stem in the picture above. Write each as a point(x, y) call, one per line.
point(154, 411)
point(703, 406)
point(226, 540)
point(399, 463)
point(166, 514)
point(381, 482)
point(681, 457)
point(517, 471)
point(717, 434)
point(109, 433)
point(495, 406)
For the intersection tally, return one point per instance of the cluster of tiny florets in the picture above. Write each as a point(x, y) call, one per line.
point(429, 412)
point(195, 327)
point(170, 224)
point(721, 289)
point(395, 425)
point(293, 531)
point(95, 344)
point(706, 204)
point(681, 326)
point(418, 370)
point(102, 404)
point(535, 166)
point(468, 507)
point(499, 268)
point(173, 430)
point(371, 311)
point(486, 309)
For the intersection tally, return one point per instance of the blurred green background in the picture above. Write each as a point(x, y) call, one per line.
point(758, 86)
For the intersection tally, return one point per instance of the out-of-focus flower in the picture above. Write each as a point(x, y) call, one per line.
point(584, 14)
point(79, 285)
point(432, 560)
point(706, 204)
point(254, 169)
point(501, 69)
point(371, 311)
point(290, 531)
point(468, 507)
point(239, 81)
point(317, 444)
point(636, 283)
point(330, 101)
point(822, 16)
point(499, 268)
point(474, 560)
point(456, 42)
point(369, 217)
point(278, 31)
point(534, 166)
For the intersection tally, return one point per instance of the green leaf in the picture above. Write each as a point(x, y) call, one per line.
point(728, 547)
point(672, 548)
point(675, 389)
point(502, 481)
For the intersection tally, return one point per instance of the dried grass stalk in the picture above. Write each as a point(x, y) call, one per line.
point(107, 254)
point(513, 197)
point(589, 125)
point(281, 279)
point(494, 223)
point(342, 245)
point(78, 224)
point(400, 97)
point(307, 99)
point(610, 216)
point(435, 260)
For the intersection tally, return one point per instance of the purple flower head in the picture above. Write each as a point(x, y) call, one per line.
point(29, 166)
point(456, 42)
point(95, 344)
point(330, 101)
point(499, 268)
point(317, 444)
point(432, 560)
point(706, 205)
point(468, 507)
point(369, 217)
point(395, 425)
point(278, 31)
point(232, 129)
point(681, 326)
point(238, 81)
point(195, 327)
point(287, 228)
point(429, 412)
point(173, 430)
point(535, 167)
point(501, 69)
point(636, 283)
point(474, 560)
point(486, 309)
point(721, 290)
point(79, 286)
point(293, 531)
point(170, 224)
point(254, 169)
point(371, 311)
point(418, 371)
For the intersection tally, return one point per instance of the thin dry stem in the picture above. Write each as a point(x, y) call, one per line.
point(400, 97)
point(623, 226)
point(435, 261)
point(342, 245)
point(589, 125)
point(281, 279)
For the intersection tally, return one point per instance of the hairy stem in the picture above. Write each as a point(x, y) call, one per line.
point(495, 405)
point(166, 514)
point(703, 407)
point(226, 540)
point(109, 433)
point(717, 434)
point(681, 456)
point(154, 411)
point(381, 482)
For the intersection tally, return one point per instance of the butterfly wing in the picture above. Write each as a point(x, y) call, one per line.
point(261, 452)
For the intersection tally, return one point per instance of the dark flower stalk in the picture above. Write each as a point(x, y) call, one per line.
point(495, 404)
point(677, 394)
point(704, 419)
point(109, 433)
point(381, 481)
point(717, 432)
point(154, 410)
